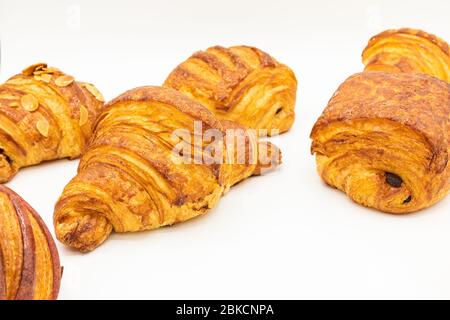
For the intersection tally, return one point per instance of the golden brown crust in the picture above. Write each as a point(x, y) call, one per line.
point(29, 261)
point(415, 32)
point(268, 155)
point(171, 97)
point(242, 84)
point(130, 178)
point(40, 118)
point(2, 278)
point(408, 50)
point(378, 123)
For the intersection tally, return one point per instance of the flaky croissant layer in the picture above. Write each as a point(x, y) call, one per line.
point(44, 115)
point(408, 50)
point(242, 84)
point(29, 261)
point(130, 178)
point(384, 139)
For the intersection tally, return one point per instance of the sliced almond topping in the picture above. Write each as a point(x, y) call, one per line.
point(38, 72)
point(64, 81)
point(14, 104)
point(94, 91)
point(40, 67)
point(84, 114)
point(29, 102)
point(44, 77)
point(29, 70)
point(51, 70)
point(42, 126)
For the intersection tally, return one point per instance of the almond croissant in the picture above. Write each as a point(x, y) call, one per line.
point(384, 139)
point(29, 261)
point(134, 177)
point(44, 115)
point(408, 50)
point(242, 84)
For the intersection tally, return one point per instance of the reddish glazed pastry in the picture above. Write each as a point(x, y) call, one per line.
point(29, 261)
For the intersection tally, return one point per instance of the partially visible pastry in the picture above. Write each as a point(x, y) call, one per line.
point(44, 115)
point(408, 50)
point(153, 161)
point(29, 261)
point(242, 84)
point(384, 140)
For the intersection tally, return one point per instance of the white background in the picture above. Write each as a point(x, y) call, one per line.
point(283, 235)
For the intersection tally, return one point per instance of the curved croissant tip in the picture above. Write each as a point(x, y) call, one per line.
point(83, 232)
point(269, 157)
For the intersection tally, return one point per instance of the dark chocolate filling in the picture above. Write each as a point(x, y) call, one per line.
point(8, 159)
point(407, 200)
point(393, 180)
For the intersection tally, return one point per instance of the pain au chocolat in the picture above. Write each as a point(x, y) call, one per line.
point(242, 84)
point(384, 140)
point(130, 179)
point(408, 50)
point(29, 261)
point(44, 115)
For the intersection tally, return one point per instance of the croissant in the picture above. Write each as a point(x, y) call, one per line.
point(29, 261)
point(408, 50)
point(147, 166)
point(242, 84)
point(384, 139)
point(44, 115)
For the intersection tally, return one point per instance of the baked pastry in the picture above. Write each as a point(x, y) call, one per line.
point(384, 139)
point(44, 115)
point(248, 155)
point(408, 50)
point(29, 261)
point(242, 84)
point(148, 166)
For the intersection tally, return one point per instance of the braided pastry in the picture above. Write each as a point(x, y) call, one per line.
point(44, 115)
point(29, 261)
point(130, 178)
point(242, 84)
point(408, 50)
point(384, 139)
